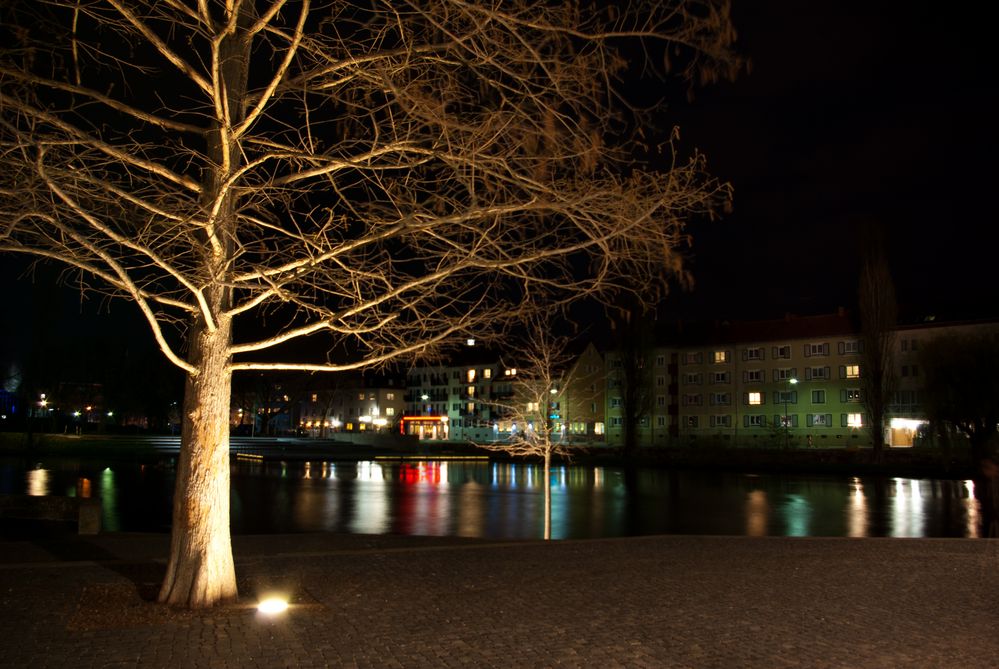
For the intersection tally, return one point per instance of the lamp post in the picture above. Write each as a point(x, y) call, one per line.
point(787, 426)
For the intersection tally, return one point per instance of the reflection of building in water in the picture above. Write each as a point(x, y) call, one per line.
point(971, 510)
point(757, 513)
point(856, 511)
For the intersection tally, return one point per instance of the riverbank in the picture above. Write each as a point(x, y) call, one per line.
point(906, 462)
point(362, 601)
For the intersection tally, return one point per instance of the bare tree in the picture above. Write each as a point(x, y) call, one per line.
point(541, 379)
point(634, 346)
point(878, 319)
point(383, 177)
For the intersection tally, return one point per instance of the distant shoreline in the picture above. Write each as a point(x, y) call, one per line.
point(909, 462)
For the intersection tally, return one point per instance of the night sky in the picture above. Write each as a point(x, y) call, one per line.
point(853, 114)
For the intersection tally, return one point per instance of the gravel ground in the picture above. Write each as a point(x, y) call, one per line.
point(359, 601)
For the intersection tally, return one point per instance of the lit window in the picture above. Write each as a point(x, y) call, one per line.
point(756, 398)
point(471, 376)
point(389, 411)
point(487, 373)
point(721, 357)
point(818, 420)
point(533, 406)
point(853, 371)
point(854, 420)
point(315, 397)
point(389, 396)
point(470, 407)
point(470, 341)
point(598, 428)
point(360, 396)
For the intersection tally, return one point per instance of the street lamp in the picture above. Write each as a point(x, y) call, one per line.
point(787, 391)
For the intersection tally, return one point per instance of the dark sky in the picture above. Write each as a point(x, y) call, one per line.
point(854, 114)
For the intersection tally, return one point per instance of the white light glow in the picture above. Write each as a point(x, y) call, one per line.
point(906, 423)
point(272, 606)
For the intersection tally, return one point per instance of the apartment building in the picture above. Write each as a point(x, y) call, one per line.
point(794, 382)
point(463, 401)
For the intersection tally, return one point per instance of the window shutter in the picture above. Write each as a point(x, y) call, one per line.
point(842, 395)
point(745, 420)
point(745, 398)
point(745, 377)
point(745, 354)
point(763, 398)
point(776, 397)
point(794, 420)
point(711, 421)
point(825, 348)
point(794, 397)
point(775, 352)
point(842, 348)
point(828, 419)
point(775, 375)
point(827, 372)
point(808, 373)
point(842, 371)
point(809, 420)
point(808, 350)
point(763, 352)
point(842, 420)
point(794, 372)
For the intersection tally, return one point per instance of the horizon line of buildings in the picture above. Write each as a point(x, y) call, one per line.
point(793, 382)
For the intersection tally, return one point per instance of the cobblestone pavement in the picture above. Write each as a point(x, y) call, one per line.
point(670, 601)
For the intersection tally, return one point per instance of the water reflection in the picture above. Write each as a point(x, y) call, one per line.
point(38, 482)
point(505, 500)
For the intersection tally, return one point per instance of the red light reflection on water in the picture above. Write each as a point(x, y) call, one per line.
point(423, 472)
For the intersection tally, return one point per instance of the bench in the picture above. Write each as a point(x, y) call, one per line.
point(85, 511)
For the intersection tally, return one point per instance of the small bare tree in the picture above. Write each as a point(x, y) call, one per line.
point(384, 177)
point(541, 378)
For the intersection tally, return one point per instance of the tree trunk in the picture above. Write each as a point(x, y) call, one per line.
point(200, 571)
point(548, 495)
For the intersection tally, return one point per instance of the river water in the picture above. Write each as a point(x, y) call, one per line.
point(505, 500)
